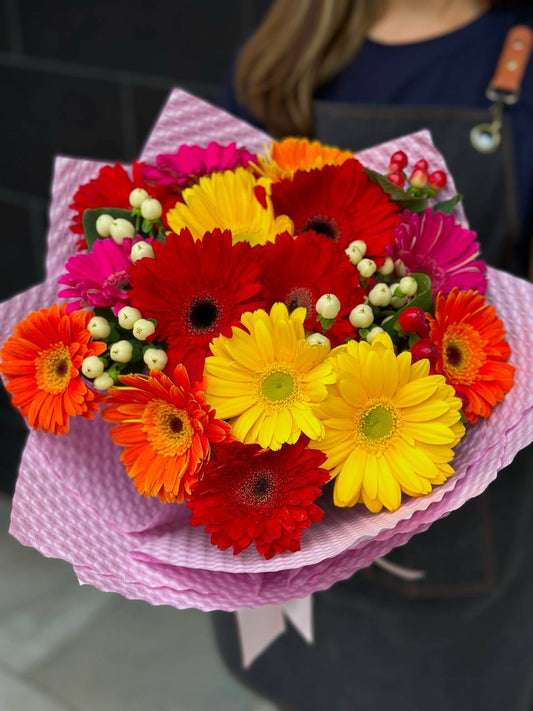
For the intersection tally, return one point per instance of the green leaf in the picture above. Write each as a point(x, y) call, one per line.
point(409, 202)
point(447, 207)
point(90, 217)
point(146, 226)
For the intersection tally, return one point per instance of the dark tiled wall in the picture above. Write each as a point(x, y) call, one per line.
point(88, 79)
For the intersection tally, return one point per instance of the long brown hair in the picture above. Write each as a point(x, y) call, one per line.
point(298, 47)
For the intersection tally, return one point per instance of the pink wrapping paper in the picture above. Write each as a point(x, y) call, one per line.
point(74, 500)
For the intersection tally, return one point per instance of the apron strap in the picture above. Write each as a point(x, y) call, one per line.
point(512, 64)
point(504, 87)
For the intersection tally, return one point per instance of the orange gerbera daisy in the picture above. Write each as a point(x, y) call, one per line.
point(42, 363)
point(472, 353)
point(292, 154)
point(167, 430)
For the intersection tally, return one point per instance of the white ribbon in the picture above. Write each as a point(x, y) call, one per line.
point(259, 627)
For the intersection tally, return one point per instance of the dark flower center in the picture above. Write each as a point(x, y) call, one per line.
point(203, 314)
point(454, 356)
point(175, 424)
point(257, 488)
point(260, 487)
point(299, 296)
point(119, 281)
point(61, 368)
point(322, 225)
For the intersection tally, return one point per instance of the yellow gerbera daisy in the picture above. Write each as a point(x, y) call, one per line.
point(269, 378)
point(292, 154)
point(390, 426)
point(233, 200)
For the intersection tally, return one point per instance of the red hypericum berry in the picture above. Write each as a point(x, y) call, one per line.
point(399, 157)
point(412, 319)
point(462, 397)
point(437, 179)
point(424, 348)
point(397, 179)
point(421, 164)
point(419, 178)
point(395, 167)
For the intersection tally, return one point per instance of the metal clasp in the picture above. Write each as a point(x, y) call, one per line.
point(486, 137)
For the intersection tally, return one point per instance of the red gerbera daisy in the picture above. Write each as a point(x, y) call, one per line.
point(167, 429)
point(42, 363)
point(342, 203)
point(111, 188)
point(472, 353)
point(297, 271)
point(196, 290)
point(253, 495)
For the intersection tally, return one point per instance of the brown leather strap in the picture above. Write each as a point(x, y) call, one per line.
point(513, 59)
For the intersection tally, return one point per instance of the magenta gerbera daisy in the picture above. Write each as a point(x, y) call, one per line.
point(98, 278)
point(297, 271)
point(196, 290)
point(253, 495)
point(179, 170)
point(435, 244)
point(340, 202)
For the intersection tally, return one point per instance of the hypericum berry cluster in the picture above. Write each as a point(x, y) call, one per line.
point(421, 182)
point(145, 216)
point(389, 291)
point(414, 324)
point(126, 352)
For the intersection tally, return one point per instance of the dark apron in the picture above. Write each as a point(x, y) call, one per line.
point(461, 638)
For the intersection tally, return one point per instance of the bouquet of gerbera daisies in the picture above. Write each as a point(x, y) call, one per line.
point(285, 345)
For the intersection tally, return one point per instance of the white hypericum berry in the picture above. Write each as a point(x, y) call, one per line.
point(353, 254)
point(138, 196)
point(121, 351)
point(142, 329)
point(373, 333)
point(408, 285)
point(140, 250)
point(328, 306)
point(155, 358)
point(151, 209)
point(361, 316)
point(318, 339)
point(366, 268)
point(360, 245)
point(120, 229)
point(92, 367)
point(380, 295)
point(103, 382)
point(103, 224)
point(128, 315)
point(400, 268)
point(387, 267)
point(99, 327)
point(398, 302)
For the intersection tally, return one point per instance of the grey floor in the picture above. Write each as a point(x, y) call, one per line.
point(69, 648)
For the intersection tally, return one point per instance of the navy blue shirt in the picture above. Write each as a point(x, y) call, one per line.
point(451, 70)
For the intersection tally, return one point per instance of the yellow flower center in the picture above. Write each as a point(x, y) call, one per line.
point(463, 353)
point(376, 425)
point(168, 429)
point(53, 369)
point(278, 386)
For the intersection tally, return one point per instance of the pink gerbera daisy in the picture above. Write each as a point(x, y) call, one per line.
point(176, 171)
point(435, 244)
point(98, 278)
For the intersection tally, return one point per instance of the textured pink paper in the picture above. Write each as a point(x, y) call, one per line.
point(74, 501)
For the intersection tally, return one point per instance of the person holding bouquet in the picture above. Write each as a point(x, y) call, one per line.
point(354, 73)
